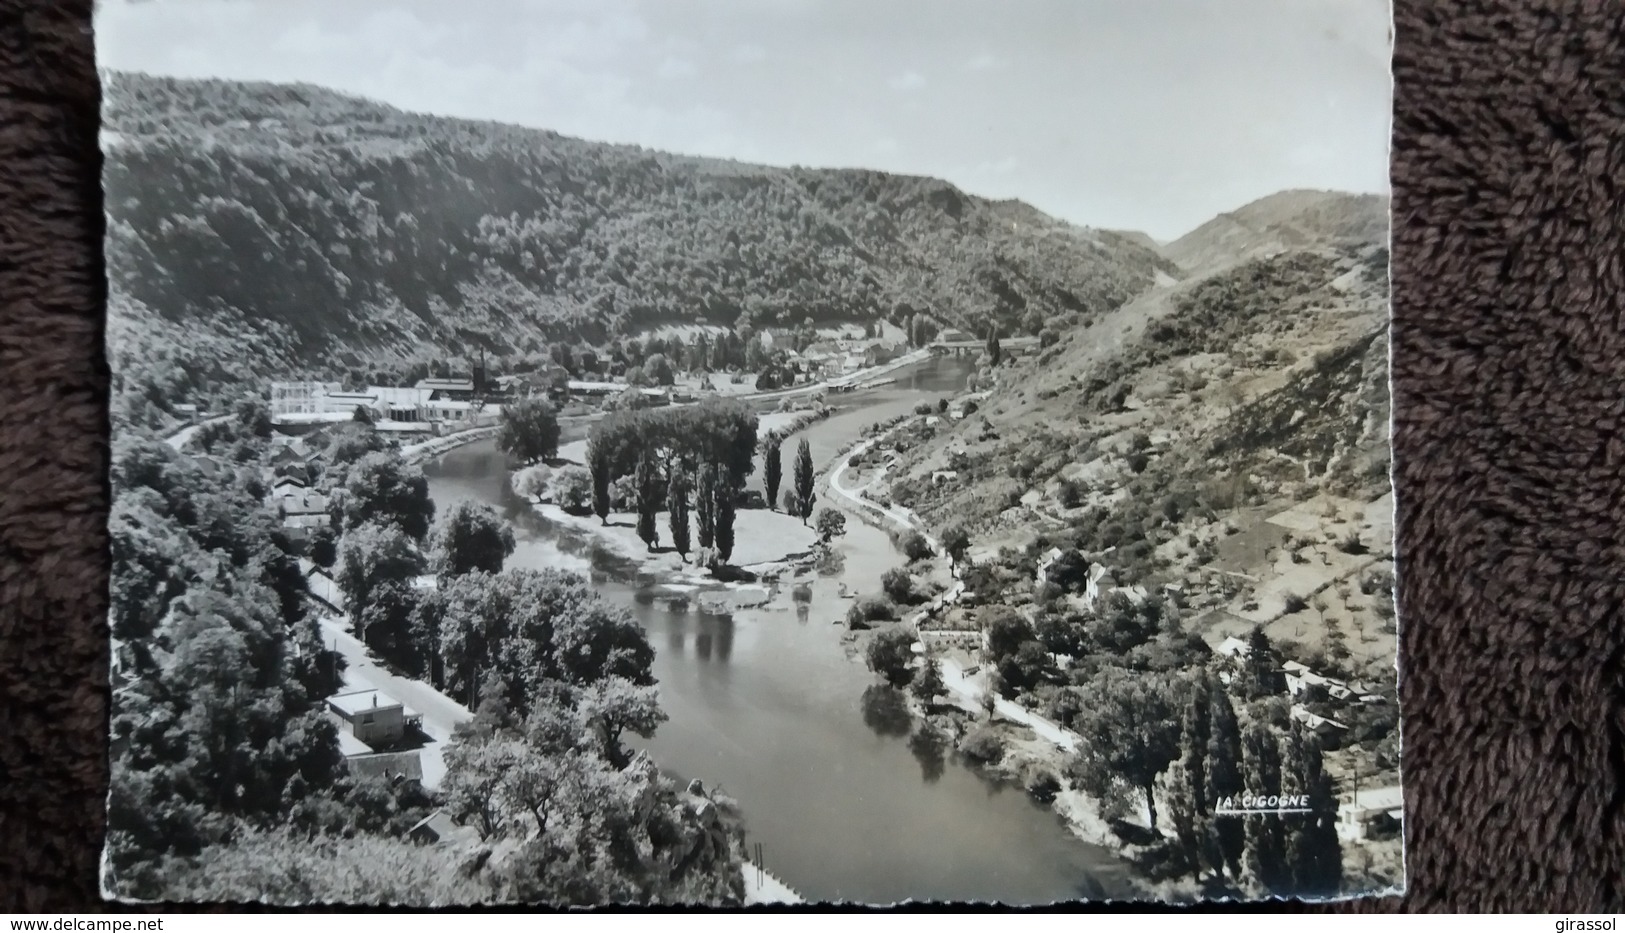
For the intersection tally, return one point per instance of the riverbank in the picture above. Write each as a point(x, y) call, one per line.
point(1035, 751)
point(434, 447)
point(765, 542)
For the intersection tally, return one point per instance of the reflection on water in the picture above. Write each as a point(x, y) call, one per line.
point(886, 711)
point(930, 748)
point(848, 800)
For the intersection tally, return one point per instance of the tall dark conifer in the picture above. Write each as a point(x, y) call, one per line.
point(650, 495)
point(804, 481)
point(598, 464)
point(725, 522)
point(1224, 779)
point(677, 511)
point(1266, 842)
point(772, 468)
point(705, 506)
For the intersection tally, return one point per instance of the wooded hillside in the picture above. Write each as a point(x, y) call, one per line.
point(292, 226)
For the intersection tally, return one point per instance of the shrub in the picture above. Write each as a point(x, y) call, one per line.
point(1295, 603)
point(982, 745)
point(875, 609)
point(898, 585)
point(1352, 544)
point(914, 546)
point(891, 655)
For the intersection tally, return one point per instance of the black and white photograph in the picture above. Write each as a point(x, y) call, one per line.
point(737, 452)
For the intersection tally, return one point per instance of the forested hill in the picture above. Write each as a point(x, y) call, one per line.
point(289, 225)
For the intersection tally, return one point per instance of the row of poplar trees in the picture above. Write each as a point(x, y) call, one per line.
point(1284, 853)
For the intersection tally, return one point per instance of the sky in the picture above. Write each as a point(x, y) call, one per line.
point(1151, 115)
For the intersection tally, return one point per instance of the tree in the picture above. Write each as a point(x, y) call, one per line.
point(572, 489)
point(362, 415)
point(1266, 832)
point(1130, 734)
point(324, 547)
point(956, 541)
point(650, 497)
point(531, 482)
point(384, 622)
point(1224, 777)
point(1261, 673)
point(658, 370)
point(372, 555)
point(898, 585)
point(929, 684)
point(529, 430)
point(614, 705)
point(382, 488)
point(472, 537)
point(677, 511)
point(1313, 851)
point(254, 416)
point(891, 655)
point(599, 464)
point(772, 467)
point(1006, 632)
point(705, 506)
point(725, 522)
point(804, 481)
point(915, 546)
point(831, 524)
point(994, 353)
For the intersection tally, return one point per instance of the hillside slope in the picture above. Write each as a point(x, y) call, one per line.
point(256, 228)
point(1282, 221)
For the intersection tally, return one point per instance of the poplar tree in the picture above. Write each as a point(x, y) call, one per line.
point(705, 506)
point(1224, 778)
point(772, 468)
point(725, 522)
point(677, 511)
point(1265, 832)
point(804, 481)
point(646, 482)
point(598, 464)
point(1313, 852)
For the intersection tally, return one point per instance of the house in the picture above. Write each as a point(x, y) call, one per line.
point(1233, 647)
point(432, 828)
point(880, 353)
point(447, 389)
point(1091, 585)
point(323, 588)
point(578, 388)
point(303, 510)
point(939, 477)
point(372, 716)
point(388, 766)
point(1319, 725)
point(400, 403)
point(1373, 812)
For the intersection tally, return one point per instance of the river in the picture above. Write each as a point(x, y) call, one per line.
point(767, 708)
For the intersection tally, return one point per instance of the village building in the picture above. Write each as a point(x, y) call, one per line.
point(372, 717)
point(1371, 813)
point(323, 589)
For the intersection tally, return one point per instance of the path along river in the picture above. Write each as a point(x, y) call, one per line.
point(766, 706)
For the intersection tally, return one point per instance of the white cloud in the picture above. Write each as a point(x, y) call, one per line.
point(986, 61)
point(673, 68)
point(907, 81)
point(748, 54)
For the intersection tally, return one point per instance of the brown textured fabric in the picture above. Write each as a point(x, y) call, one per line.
point(1509, 350)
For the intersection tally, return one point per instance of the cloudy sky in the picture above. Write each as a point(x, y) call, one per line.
point(1137, 114)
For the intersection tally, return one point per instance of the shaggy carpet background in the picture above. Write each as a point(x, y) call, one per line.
point(1509, 353)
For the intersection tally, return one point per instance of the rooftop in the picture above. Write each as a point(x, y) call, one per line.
point(361, 701)
point(450, 385)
